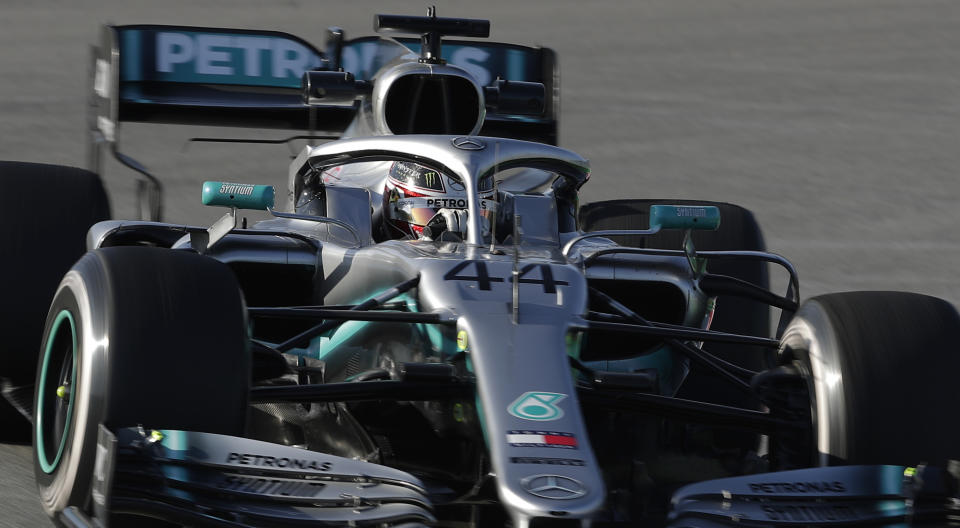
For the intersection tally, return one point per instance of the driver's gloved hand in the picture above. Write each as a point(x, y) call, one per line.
point(446, 221)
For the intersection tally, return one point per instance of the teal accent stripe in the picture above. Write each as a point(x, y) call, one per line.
point(515, 64)
point(42, 457)
point(130, 69)
point(174, 440)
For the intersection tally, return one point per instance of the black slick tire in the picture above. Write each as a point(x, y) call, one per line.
point(881, 368)
point(135, 336)
point(47, 210)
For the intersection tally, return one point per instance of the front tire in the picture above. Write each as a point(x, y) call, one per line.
point(135, 336)
point(880, 368)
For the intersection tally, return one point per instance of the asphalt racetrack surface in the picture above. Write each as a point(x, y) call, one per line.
point(836, 121)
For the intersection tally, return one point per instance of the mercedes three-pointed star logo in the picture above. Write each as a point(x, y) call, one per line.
point(468, 143)
point(553, 487)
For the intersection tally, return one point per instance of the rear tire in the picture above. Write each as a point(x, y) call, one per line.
point(47, 210)
point(135, 336)
point(882, 370)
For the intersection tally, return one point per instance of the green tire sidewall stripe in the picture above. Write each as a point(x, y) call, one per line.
point(42, 458)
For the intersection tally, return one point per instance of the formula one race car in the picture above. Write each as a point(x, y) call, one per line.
point(431, 331)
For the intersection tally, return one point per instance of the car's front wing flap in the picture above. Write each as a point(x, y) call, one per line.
point(827, 496)
point(214, 480)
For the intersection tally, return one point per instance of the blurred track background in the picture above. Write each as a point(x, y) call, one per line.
point(836, 121)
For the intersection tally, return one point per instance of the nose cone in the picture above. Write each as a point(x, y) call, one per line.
point(535, 433)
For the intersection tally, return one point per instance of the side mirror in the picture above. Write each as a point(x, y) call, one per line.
point(700, 217)
point(239, 195)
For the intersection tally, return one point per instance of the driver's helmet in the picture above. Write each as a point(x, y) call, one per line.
point(421, 203)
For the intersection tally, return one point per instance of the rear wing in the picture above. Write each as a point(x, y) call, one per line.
point(252, 78)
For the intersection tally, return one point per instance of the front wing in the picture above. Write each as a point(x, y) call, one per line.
point(826, 496)
point(203, 479)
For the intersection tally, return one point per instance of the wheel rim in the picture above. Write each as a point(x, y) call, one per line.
point(56, 390)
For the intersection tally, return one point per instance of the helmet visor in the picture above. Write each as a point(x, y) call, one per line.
point(412, 175)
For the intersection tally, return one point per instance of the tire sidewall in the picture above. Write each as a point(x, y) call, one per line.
point(68, 482)
point(810, 343)
point(882, 368)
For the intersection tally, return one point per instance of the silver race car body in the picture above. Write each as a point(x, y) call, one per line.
point(536, 366)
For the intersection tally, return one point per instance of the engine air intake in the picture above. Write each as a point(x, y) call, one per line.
point(432, 104)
